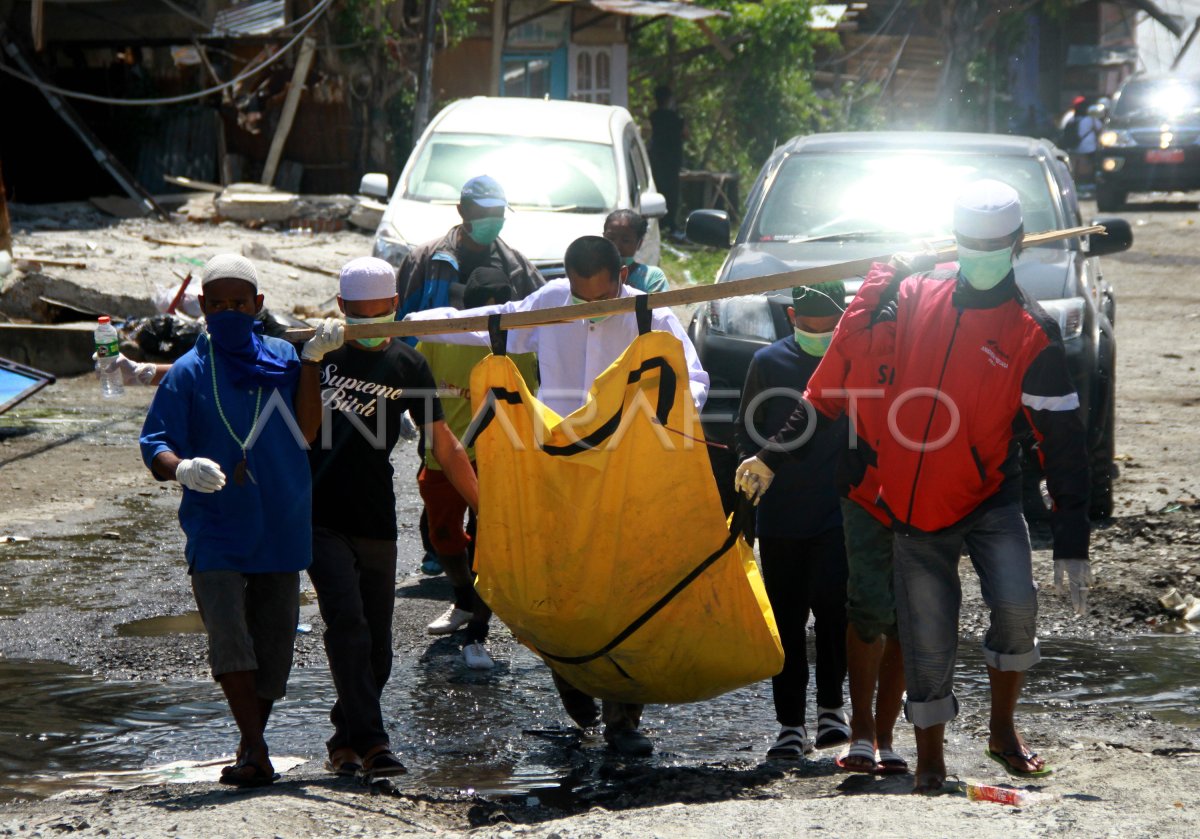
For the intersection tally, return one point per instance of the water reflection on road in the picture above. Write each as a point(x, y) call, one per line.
point(498, 732)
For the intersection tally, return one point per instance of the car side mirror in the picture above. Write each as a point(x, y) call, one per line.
point(653, 205)
point(1118, 236)
point(709, 227)
point(374, 184)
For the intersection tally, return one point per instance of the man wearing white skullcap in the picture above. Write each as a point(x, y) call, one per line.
point(366, 386)
point(966, 361)
point(230, 423)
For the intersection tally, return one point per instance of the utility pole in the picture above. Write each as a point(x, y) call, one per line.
point(425, 71)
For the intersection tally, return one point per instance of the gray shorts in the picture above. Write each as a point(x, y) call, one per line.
point(251, 624)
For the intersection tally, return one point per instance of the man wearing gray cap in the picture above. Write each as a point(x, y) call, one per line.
point(230, 424)
point(435, 274)
point(974, 364)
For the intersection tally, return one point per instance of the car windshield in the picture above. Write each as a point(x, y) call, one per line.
point(1163, 98)
point(861, 195)
point(535, 172)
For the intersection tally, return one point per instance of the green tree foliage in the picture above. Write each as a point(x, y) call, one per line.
point(738, 110)
point(378, 48)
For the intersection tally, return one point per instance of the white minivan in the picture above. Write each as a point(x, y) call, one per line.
point(564, 166)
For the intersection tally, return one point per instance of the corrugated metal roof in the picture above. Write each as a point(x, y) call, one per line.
point(254, 18)
point(654, 8)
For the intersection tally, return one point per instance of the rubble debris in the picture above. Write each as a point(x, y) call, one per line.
point(164, 336)
point(255, 202)
point(37, 263)
point(367, 213)
point(60, 311)
point(1185, 606)
point(175, 243)
point(192, 184)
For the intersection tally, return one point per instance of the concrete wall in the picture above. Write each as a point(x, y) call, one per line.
point(63, 349)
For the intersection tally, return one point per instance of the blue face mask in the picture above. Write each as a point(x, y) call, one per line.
point(575, 301)
point(627, 261)
point(230, 330)
point(814, 343)
point(372, 342)
point(984, 269)
point(485, 231)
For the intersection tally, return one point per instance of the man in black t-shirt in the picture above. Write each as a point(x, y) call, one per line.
point(366, 386)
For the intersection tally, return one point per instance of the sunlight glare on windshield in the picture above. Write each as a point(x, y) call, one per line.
point(534, 172)
point(909, 195)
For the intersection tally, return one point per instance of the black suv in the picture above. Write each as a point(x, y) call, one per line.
point(1151, 141)
point(830, 198)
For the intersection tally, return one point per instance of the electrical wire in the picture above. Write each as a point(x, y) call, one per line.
point(312, 15)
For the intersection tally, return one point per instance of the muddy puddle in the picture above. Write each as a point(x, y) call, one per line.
point(498, 733)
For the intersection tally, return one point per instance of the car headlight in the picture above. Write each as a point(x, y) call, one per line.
point(1116, 139)
point(391, 251)
point(743, 317)
point(1069, 314)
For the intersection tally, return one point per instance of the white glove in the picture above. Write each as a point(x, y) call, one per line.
point(752, 479)
point(132, 372)
point(1078, 573)
point(329, 337)
point(200, 474)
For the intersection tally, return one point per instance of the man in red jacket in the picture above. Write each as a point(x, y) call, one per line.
point(974, 362)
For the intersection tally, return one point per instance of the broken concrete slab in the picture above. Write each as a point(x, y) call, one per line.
point(64, 349)
point(367, 214)
point(255, 202)
point(22, 294)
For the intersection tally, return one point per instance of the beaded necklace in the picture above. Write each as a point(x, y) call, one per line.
point(242, 471)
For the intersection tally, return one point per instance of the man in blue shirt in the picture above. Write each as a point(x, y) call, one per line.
point(243, 406)
point(799, 525)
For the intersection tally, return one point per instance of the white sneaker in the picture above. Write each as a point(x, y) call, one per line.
point(477, 658)
point(450, 620)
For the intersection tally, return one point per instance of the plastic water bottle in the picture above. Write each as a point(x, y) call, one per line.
point(108, 346)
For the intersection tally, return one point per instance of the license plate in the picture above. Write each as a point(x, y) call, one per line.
point(1164, 156)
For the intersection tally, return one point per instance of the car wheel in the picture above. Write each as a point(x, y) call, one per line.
point(1103, 467)
point(1110, 199)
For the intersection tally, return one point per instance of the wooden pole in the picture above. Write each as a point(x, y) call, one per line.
point(308, 48)
point(5, 225)
point(658, 300)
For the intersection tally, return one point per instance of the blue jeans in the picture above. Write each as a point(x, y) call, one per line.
point(929, 596)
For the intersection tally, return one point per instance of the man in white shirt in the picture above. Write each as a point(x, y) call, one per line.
point(570, 358)
point(572, 355)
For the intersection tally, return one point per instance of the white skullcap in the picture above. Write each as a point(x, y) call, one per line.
point(987, 210)
point(367, 278)
point(229, 266)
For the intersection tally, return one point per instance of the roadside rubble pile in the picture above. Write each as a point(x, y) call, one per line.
point(1185, 606)
point(73, 263)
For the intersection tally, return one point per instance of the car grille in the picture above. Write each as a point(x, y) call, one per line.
point(1148, 137)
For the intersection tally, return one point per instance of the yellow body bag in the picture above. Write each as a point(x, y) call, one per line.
point(602, 541)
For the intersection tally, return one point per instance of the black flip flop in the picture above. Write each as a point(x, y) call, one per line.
point(260, 777)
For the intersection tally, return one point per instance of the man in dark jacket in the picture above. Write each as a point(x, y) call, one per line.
point(435, 273)
point(974, 362)
point(799, 525)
